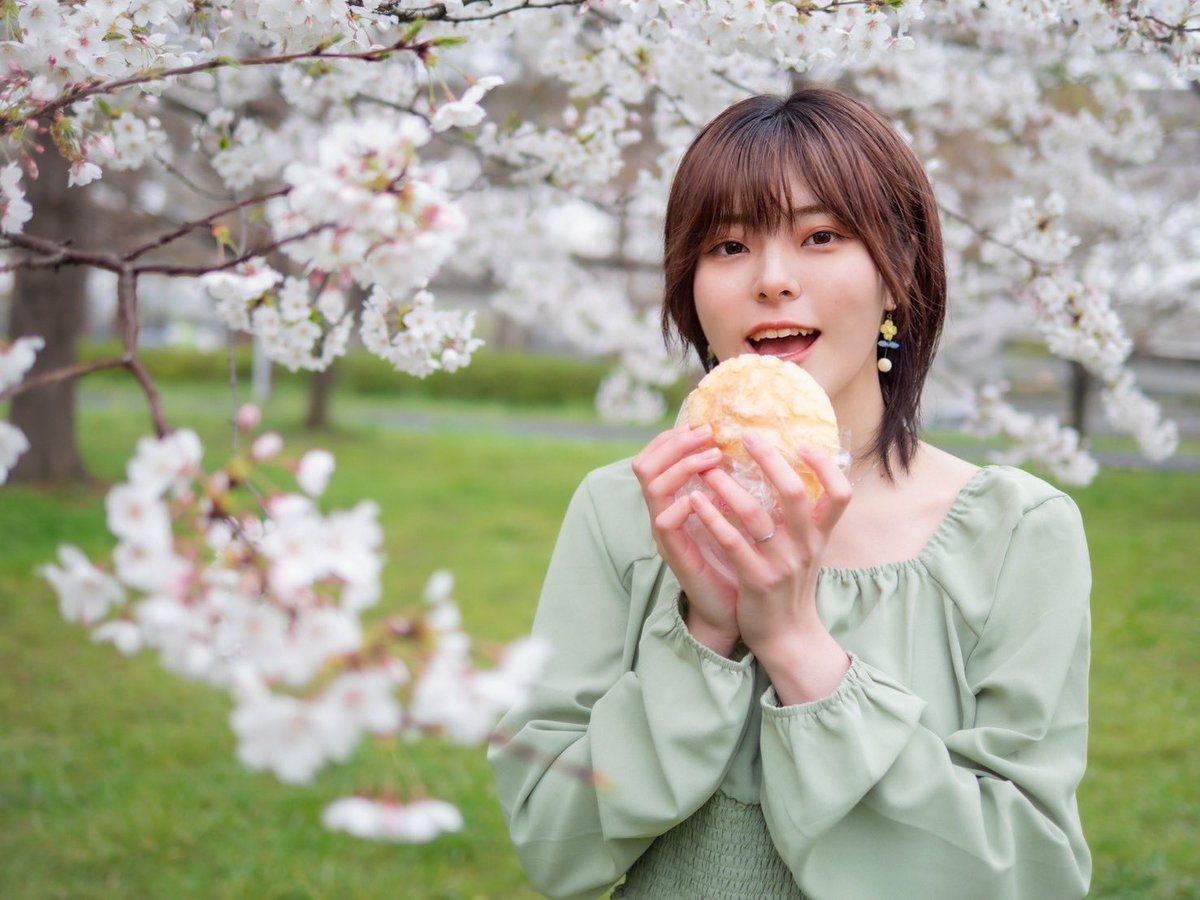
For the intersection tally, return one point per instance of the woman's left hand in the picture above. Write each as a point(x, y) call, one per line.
point(777, 563)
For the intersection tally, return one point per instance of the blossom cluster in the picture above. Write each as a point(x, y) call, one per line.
point(1041, 439)
point(15, 360)
point(297, 329)
point(387, 820)
point(1130, 410)
point(258, 591)
point(15, 210)
point(363, 210)
point(1050, 95)
point(416, 338)
point(366, 206)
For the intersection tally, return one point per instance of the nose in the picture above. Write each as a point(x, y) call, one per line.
point(777, 274)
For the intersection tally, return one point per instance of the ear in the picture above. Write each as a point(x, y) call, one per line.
point(889, 305)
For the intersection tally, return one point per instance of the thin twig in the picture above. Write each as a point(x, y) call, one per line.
point(319, 52)
point(987, 236)
point(191, 226)
point(193, 271)
point(233, 384)
point(512, 9)
point(65, 373)
point(58, 254)
point(128, 323)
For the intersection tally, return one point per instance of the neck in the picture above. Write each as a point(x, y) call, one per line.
point(858, 419)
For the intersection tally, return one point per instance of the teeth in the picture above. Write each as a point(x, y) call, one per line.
point(779, 332)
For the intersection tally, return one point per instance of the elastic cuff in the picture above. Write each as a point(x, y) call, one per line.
point(667, 622)
point(854, 678)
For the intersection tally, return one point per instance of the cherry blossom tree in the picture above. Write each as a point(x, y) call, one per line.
point(370, 145)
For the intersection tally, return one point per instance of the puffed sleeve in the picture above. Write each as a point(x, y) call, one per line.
point(863, 800)
point(633, 724)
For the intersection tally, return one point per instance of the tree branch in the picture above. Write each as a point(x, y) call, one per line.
point(57, 254)
point(128, 324)
point(191, 226)
point(82, 92)
point(512, 9)
point(193, 271)
point(66, 373)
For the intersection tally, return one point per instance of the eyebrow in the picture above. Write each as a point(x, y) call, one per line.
point(812, 209)
point(798, 212)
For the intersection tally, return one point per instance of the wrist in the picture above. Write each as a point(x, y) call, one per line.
point(716, 639)
point(803, 666)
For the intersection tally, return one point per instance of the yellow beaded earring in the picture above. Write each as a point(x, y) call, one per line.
point(889, 330)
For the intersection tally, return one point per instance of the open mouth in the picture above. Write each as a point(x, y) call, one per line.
point(782, 341)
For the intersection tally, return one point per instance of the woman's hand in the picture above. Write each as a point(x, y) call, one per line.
point(663, 468)
point(777, 564)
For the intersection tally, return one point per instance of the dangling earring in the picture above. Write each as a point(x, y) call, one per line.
point(710, 358)
point(888, 329)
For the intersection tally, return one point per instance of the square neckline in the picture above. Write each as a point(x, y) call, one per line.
point(952, 515)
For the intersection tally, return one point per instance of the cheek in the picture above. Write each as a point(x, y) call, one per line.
point(706, 294)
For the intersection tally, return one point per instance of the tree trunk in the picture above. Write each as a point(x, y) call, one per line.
point(320, 386)
point(1081, 383)
point(53, 304)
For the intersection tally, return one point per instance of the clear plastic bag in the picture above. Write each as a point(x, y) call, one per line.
point(751, 478)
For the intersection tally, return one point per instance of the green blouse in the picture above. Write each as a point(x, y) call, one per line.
point(944, 765)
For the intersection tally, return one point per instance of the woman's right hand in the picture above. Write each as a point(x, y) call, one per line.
point(663, 468)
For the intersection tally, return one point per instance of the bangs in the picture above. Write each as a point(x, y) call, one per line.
point(750, 180)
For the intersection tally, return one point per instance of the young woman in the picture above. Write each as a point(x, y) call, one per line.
point(889, 698)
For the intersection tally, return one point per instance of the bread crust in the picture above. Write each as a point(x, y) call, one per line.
point(777, 399)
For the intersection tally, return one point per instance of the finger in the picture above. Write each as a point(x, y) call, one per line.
point(789, 487)
point(673, 517)
point(837, 488)
point(664, 488)
point(675, 545)
point(664, 437)
point(666, 449)
point(745, 511)
point(738, 550)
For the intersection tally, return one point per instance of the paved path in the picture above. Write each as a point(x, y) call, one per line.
point(518, 425)
point(375, 412)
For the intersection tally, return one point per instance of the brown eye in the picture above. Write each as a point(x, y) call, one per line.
point(820, 238)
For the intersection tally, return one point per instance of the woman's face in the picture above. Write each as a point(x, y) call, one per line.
point(807, 293)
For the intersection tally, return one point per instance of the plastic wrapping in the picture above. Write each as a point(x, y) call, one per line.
point(780, 402)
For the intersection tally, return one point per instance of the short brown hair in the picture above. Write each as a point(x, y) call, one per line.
point(741, 166)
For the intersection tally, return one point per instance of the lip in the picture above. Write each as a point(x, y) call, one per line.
point(798, 356)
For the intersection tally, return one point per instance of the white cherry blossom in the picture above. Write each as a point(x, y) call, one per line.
point(12, 444)
point(383, 820)
point(85, 594)
point(465, 112)
point(313, 471)
point(15, 210)
point(17, 359)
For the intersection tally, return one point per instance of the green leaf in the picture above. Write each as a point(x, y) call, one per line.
point(410, 36)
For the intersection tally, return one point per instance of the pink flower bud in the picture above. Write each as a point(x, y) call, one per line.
point(248, 417)
point(267, 446)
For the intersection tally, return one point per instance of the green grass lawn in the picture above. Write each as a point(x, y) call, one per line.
point(119, 780)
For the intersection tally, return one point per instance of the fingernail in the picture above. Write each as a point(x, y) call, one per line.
point(751, 439)
point(702, 430)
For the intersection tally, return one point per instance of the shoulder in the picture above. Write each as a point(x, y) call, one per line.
point(610, 499)
point(1017, 495)
point(998, 496)
point(613, 489)
point(1007, 528)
